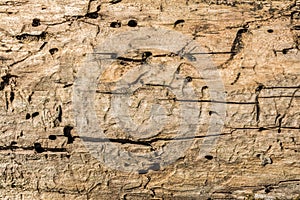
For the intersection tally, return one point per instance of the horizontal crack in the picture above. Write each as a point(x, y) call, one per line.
point(25, 36)
point(180, 100)
point(224, 52)
point(3, 148)
point(147, 142)
point(282, 87)
point(264, 128)
point(281, 96)
point(130, 59)
point(207, 101)
point(122, 141)
point(109, 92)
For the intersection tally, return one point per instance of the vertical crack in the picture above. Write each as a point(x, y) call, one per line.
point(257, 106)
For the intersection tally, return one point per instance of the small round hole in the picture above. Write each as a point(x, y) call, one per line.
point(53, 51)
point(52, 137)
point(116, 24)
point(36, 22)
point(209, 157)
point(258, 155)
point(27, 116)
point(270, 31)
point(188, 79)
point(132, 23)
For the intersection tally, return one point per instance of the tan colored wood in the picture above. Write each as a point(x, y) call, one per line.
point(254, 45)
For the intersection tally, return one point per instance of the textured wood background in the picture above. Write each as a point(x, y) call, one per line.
point(255, 46)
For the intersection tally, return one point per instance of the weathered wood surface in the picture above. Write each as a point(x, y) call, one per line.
point(254, 45)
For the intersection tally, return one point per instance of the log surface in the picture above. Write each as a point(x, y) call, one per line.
point(253, 45)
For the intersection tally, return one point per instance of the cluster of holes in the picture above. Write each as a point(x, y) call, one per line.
point(67, 133)
point(117, 24)
point(33, 115)
point(26, 36)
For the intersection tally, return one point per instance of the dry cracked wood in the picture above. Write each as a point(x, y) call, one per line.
point(255, 48)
